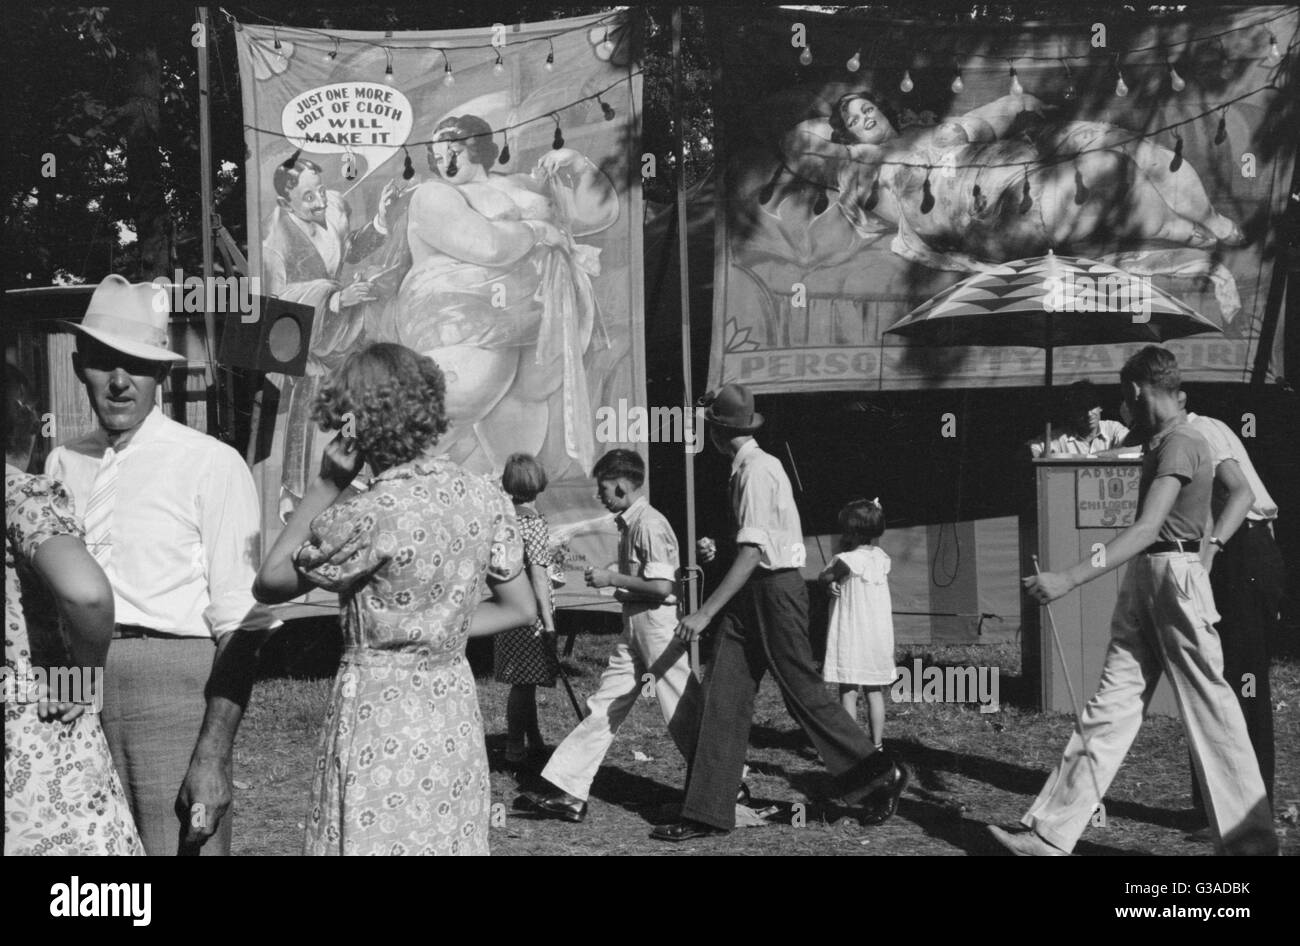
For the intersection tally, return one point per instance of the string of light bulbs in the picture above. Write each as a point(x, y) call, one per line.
point(606, 45)
point(607, 112)
point(611, 22)
point(855, 61)
point(1177, 82)
point(1026, 201)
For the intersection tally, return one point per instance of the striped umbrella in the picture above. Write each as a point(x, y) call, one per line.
point(1050, 301)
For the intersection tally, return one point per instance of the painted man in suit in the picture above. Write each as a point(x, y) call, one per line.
point(308, 242)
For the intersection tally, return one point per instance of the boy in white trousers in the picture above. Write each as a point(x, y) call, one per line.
point(646, 652)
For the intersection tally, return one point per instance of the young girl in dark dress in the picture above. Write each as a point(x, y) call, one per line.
point(525, 657)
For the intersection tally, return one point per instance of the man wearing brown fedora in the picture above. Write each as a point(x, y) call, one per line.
point(762, 603)
point(171, 515)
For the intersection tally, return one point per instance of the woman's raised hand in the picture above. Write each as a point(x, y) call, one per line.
point(340, 461)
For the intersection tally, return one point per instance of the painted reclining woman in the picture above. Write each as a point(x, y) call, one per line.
point(1002, 182)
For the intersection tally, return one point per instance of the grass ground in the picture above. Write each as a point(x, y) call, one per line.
point(971, 769)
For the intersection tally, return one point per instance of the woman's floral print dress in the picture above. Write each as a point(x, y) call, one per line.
point(62, 794)
point(402, 766)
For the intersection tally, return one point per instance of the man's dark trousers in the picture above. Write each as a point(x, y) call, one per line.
point(765, 627)
point(1247, 579)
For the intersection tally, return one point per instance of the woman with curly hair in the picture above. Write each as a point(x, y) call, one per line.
point(402, 767)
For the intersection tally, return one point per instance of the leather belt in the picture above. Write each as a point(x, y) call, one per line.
point(1176, 545)
point(135, 631)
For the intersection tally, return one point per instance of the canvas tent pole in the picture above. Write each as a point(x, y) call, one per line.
point(692, 590)
point(1047, 382)
point(205, 187)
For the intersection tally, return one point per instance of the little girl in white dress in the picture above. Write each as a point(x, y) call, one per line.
point(860, 642)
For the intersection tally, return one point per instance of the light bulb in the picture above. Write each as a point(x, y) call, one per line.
point(607, 47)
point(805, 57)
point(388, 73)
point(957, 84)
point(1176, 82)
point(854, 63)
point(1016, 87)
point(550, 61)
point(907, 85)
point(499, 68)
point(1120, 88)
point(447, 77)
point(1274, 54)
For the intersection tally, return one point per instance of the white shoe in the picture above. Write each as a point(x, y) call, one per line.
point(1025, 843)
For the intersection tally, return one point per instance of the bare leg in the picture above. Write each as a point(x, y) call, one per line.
point(876, 713)
point(849, 699)
point(1181, 190)
point(1117, 202)
point(521, 719)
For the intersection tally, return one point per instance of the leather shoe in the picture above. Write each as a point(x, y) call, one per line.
point(684, 831)
point(557, 804)
point(865, 788)
point(742, 794)
point(884, 803)
point(1025, 843)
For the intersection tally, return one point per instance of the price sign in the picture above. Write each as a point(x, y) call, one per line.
point(1106, 497)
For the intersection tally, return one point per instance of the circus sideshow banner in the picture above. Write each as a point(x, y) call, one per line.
point(473, 195)
point(868, 165)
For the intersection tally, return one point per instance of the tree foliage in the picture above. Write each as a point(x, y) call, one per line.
point(111, 93)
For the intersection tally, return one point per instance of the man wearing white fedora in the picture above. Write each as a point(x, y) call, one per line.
point(172, 517)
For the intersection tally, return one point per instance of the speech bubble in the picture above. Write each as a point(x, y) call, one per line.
point(367, 118)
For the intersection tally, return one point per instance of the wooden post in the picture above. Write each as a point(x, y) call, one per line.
point(691, 573)
point(205, 183)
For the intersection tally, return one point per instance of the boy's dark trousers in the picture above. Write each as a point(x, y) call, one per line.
point(1247, 579)
point(765, 627)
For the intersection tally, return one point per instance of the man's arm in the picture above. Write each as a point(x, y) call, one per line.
point(230, 537)
point(1228, 477)
point(652, 589)
point(1159, 501)
point(693, 625)
point(208, 780)
point(360, 243)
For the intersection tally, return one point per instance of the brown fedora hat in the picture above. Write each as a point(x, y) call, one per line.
point(731, 408)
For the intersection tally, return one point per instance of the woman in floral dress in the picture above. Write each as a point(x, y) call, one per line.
point(402, 767)
point(62, 794)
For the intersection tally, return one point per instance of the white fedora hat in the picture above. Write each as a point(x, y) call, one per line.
point(130, 318)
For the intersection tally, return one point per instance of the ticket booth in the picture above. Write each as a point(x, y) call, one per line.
point(1077, 505)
